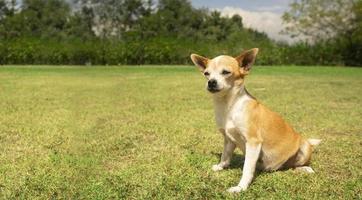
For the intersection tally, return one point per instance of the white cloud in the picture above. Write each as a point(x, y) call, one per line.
point(264, 21)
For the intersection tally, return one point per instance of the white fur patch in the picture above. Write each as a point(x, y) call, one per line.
point(217, 167)
point(314, 142)
point(236, 189)
point(217, 60)
point(305, 169)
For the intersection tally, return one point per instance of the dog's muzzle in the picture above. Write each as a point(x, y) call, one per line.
point(212, 86)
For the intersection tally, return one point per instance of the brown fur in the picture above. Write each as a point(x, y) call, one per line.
point(280, 141)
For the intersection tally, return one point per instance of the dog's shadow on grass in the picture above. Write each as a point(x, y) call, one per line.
point(237, 160)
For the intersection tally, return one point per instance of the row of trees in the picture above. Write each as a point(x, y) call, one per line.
point(113, 19)
point(146, 32)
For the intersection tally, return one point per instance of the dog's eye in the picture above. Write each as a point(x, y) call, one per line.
point(224, 72)
point(206, 73)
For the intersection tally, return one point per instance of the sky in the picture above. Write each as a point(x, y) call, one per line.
point(262, 15)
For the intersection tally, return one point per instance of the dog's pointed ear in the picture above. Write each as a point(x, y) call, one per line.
point(199, 61)
point(247, 58)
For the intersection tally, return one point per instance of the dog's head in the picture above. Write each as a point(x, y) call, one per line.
point(224, 72)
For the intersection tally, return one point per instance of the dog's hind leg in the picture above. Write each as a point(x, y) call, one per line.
point(301, 159)
point(306, 169)
point(304, 155)
point(227, 153)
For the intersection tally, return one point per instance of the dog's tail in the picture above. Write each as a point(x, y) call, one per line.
point(314, 142)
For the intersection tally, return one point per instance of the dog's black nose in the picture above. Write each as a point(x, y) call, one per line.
point(212, 83)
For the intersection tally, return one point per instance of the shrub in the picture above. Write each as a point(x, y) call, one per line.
point(165, 50)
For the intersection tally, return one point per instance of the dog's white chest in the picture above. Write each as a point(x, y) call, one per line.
point(232, 118)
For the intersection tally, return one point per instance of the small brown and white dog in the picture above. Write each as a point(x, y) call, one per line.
point(266, 140)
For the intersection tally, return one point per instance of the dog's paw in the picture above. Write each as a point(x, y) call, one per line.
point(305, 169)
point(236, 189)
point(216, 168)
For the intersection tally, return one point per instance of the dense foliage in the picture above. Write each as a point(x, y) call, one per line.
point(143, 32)
point(335, 23)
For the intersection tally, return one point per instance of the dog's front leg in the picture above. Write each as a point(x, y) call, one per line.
point(226, 155)
point(252, 153)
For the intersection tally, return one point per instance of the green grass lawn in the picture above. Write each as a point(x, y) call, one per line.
point(149, 132)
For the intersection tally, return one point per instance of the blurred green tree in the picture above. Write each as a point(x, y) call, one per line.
point(336, 22)
point(112, 18)
point(7, 8)
point(321, 19)
point(81, 23)
point(37, 18)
